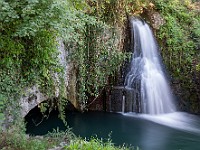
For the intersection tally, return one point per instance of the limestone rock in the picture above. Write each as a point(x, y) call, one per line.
point(156, 20)
point(33, 96)
point(31, 99)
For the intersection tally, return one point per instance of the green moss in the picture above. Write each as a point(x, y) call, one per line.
point(179, 37)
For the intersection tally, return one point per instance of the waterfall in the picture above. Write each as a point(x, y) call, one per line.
point(146, 73)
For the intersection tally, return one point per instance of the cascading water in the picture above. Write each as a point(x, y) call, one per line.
point(151, 94)
point(146, 73)
point(148, 85)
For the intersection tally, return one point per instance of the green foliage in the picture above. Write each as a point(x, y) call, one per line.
point(95, 55)
point(20, 142)
point(93, 49)
point(30, 30)
point(61, 136)
point(112, 11)
point(16, 140)
point(198, 67)
point(10, 86)
point(27, 17)
point(93, 143)
point(180, 39)
point(28, 48)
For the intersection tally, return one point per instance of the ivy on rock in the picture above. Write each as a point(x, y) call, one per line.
point(29, 30)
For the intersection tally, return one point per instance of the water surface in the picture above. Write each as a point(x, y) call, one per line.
point(127, 129)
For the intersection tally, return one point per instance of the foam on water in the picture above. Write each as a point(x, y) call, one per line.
point(155, 100)
point(146, 72)
point(178, 120)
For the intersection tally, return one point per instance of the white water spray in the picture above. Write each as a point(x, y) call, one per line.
point(155, 100)
point(146, 73)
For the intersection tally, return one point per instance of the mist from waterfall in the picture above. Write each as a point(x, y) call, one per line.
point(152, 96)
point(146, 76)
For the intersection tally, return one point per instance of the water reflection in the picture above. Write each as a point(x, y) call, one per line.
point(159, 138)
point(184, 131)
point(168, 132)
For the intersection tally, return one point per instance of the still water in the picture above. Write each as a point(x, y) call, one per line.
point(128, 129)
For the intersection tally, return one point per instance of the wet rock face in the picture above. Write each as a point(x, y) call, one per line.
point(154, 17)
point(156, 20)
point(151, 16)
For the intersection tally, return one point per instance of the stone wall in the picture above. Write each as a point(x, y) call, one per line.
point(33, 96)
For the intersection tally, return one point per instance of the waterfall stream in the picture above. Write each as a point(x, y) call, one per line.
point(158, 126)
point(146, 73)
point(146, 80)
